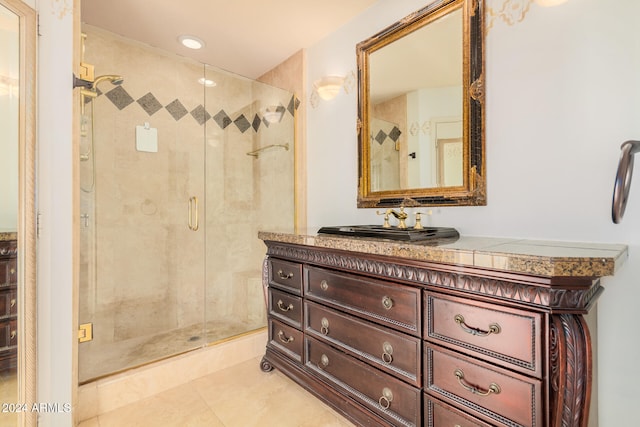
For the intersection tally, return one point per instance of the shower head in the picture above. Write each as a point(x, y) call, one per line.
point(113, 78)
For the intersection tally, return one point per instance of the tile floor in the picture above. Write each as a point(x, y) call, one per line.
point(239, 396)
point(8, 394)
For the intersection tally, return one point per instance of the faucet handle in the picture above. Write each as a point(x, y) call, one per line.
point(386, 218)
point(418, 225)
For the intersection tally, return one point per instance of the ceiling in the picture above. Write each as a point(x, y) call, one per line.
point(247, 37)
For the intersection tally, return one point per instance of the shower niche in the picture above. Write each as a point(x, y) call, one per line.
point(169, 257)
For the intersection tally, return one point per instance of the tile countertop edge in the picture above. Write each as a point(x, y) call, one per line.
point(526, 256)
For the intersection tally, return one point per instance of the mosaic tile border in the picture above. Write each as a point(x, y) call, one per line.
point(121, 99)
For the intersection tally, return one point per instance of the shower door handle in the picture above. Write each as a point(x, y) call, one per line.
point(193, 214)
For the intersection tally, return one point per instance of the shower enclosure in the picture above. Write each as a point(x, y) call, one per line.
point(180, 165)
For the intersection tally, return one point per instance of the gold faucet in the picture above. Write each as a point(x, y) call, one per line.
point(400, 215)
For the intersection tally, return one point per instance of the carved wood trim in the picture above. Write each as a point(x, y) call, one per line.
point(558, 299)
point(571, 370)
point(265, 282)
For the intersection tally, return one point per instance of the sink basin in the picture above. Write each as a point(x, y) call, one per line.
point(393, 233)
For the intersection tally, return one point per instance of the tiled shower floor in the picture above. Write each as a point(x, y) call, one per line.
point(96, 361)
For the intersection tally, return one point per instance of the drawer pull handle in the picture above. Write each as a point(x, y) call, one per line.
point(324, 361)
point(284, 276)
point(12, 271)
point(13, 335)
point(13, 302)
point(387, 302)
point(386, 398)
point(324, 328)
point(324, 285)
point(282, 307)
point(282, 337)
point(493, 387)
point(387, 353)
point(494, 328)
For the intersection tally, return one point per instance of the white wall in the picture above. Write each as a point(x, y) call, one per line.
point(55, 184)
point(563, 92)
point(9, 121)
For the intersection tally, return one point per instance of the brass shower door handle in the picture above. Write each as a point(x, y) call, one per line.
point(193, 214)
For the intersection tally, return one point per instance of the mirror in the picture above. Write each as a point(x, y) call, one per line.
point(17, 211)
point(420, 109)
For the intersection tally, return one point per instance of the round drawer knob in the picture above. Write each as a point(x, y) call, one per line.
point(387, 353)
point(386, 398)
point(324, 326)
point(324, 361)
point(324, 285)
point(387, 302)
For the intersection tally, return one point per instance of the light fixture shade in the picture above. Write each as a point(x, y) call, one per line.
point(206, 82)
point(328, 87)
point(549, 3)
point(191, 42)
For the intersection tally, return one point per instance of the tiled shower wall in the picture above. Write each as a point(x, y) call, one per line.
point(147, 272)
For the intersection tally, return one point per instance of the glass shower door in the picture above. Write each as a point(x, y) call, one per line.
point(142, 205)
point(180, 165)
point(249, 187)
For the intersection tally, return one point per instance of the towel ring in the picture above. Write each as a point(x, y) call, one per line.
point(623, 179)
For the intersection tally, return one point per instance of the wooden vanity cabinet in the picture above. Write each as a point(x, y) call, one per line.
point(389, 341)
point(8, 304)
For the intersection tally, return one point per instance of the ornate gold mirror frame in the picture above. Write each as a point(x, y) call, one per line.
point(468, 187)
point(26, 229)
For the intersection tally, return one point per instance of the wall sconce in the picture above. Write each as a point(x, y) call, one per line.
point(514, 11)
point(9, 86)
point(549, 3)
point(328, 87)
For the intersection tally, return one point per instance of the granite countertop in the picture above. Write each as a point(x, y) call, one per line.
point(537, 257)
point(8, 235)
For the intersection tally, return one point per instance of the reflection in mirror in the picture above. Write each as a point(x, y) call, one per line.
point(9, 138)
point(420, 109)
point(17, 218)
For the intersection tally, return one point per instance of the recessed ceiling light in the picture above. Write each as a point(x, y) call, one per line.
point(191, 42)
point(206, 82)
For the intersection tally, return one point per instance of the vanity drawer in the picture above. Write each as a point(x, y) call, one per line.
point(8, 303)
point(285, 307)
point(439, 414)
point(507, 336)
point(501, 397)
point(286, 339)
point(390, 398)
point(8, 334)
point(395, 353)
point(285, 275)
point(8, 272)
point(393, 305)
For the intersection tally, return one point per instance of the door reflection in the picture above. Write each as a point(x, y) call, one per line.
point(9, 143)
